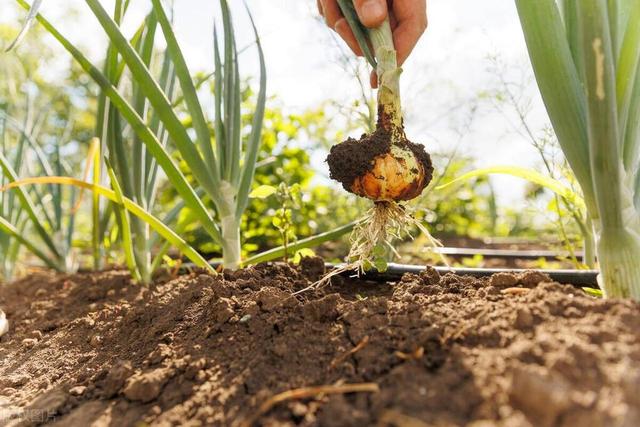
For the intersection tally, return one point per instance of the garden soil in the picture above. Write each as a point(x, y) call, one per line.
point(97, 350)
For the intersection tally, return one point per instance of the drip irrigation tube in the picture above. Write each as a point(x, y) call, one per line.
point(394, 272)
point(578, 278)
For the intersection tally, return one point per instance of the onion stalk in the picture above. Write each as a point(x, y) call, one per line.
point(384, 166)
point(586, 58)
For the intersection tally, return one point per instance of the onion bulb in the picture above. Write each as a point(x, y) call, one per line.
point(383, 166)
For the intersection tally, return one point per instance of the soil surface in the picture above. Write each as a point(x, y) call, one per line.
point(353, 158)
point(94, 349)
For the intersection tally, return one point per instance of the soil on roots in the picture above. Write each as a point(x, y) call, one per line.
point(353, 158)
point(203, 350)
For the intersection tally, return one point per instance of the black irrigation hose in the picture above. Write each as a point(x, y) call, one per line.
point(577, 278)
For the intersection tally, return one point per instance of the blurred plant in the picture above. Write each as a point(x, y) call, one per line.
point(586, 58)
point(512, 100)
point(31, 210)
point(288, 151)
point(289, 199)
point(230, 168)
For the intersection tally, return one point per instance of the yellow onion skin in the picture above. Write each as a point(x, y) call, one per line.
point(395, 176)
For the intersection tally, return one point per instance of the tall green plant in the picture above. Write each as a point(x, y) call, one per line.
point(586, 58)
point(132, 169)
point(223, 168)
point(32, 217)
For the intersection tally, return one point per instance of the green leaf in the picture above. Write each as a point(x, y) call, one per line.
point(188, 89)
point(381, 264)
point(127, 240)
point(9, 229)
point(157, 98)
point(309, 242)
point(253, 145)
point(263, 191)
point(303, 253)
point(29, 207)
point(27, 24)
point(594, 292)
point(359, 31)
point(559, 83)
point(604, 137)
point(154, 146)
point(528, 174)
point(128, 204)
point(379, 251)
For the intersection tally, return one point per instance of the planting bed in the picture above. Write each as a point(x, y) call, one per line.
point(512, 351)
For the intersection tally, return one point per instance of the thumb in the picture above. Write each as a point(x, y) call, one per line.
point(371, 12)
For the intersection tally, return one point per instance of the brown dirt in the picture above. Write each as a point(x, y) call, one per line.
point(94, 349)
point(353, 158)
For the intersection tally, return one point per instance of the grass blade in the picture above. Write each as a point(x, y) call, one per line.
point(604, 139)
point(628, 90)
point(153, 145)
point(130, 205)
point(530, 175)
point(127, 241)
point(27, 24)
point(157, 98)
point(28, 206)
point(219, 128)
point(309, 242)
point(145, 49)
point(251, 154)
point(8, 228)
point(559, 84)
point(188, 89)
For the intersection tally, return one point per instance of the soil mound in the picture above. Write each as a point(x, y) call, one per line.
point(94, 349)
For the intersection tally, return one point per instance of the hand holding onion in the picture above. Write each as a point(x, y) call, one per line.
point(383, 166)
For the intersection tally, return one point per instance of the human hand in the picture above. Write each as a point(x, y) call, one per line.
point(408, 19)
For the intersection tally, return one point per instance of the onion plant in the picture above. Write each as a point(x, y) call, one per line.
point(223, 167)
point(31, 217)
point(586, 58)
point(132, 169)
point(384, 166)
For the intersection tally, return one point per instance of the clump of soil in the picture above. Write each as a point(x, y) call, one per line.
point(354, 158)
point(204, 350)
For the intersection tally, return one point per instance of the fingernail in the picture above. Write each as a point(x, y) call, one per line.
point(373, 10)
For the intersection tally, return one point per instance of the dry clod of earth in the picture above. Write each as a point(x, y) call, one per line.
point(236, 349)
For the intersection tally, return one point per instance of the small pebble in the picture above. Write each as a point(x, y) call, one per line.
point(96, 341)
point(503, 280)
point(29, 342)
point(77, 390)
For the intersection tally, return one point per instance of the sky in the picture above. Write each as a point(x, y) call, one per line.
point(446, 83)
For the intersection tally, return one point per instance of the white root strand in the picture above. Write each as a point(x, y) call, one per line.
point(383, 223)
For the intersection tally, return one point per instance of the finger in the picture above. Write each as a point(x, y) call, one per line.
point(320, 11)
point(374, 79)
point(344, 30)
point(412, 22)
point(393, 21)
point(371, 12)
point(331, 12)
